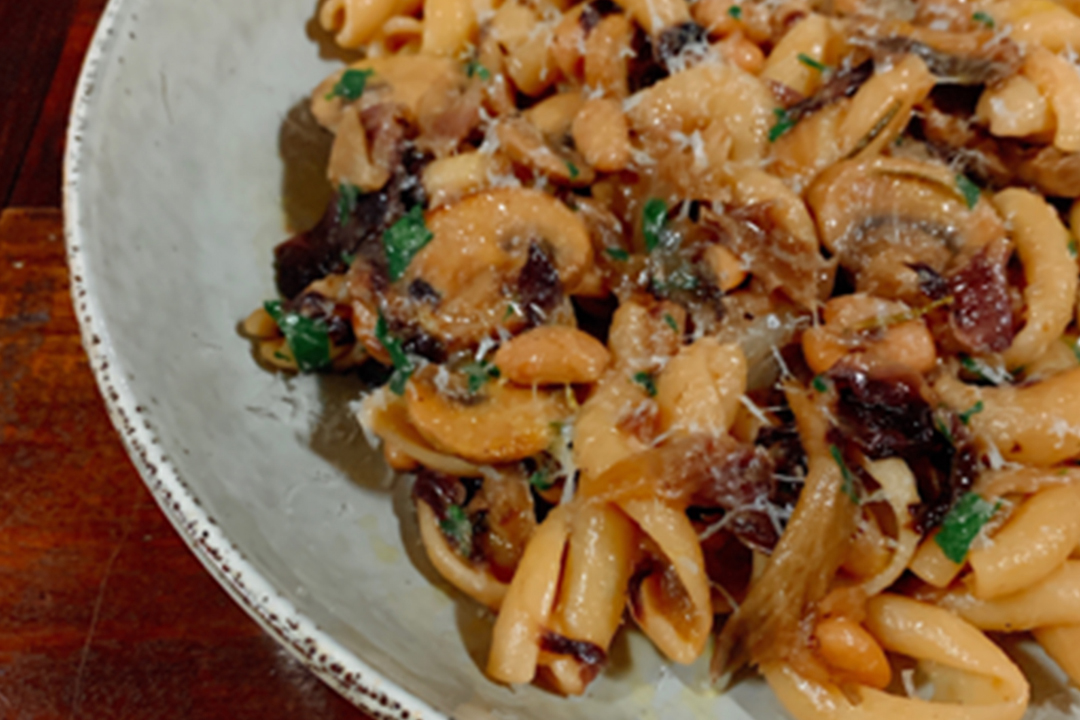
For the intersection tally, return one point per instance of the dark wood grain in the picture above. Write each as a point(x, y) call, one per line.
point(38, 182)
point(31, 39)
point(104, 612)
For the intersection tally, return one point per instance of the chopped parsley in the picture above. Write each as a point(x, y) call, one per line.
point(670, 321)
point(308, 339)
point(653, 219)
point(784, 122)
point(404, 239)
point(968, 189)
point(403, 364)
point(848, 486)
point(646, 381)
point(478, 373)
point(812, 63)
point(981, 17)
point(348, 196)
point(540, 480)
point(735, 12)
point(351, 85)
point(965, 417)
point(1075, 347)
point(617, 254)
point(986, 373)
point(962, 525)
point(458, 528)
point(347, 257)
point(943, 428)
point(819, 384)
point(474, 69)
point(1073, 249)
point(573, 170)
point(509, 312)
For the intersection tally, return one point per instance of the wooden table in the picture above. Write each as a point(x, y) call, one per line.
point(104, 613)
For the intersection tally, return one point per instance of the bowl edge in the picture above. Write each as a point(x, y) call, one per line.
point(339, 668)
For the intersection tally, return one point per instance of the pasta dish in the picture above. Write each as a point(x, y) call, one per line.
point(747, 322)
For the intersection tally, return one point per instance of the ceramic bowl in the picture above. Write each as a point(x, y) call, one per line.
point(175, 193)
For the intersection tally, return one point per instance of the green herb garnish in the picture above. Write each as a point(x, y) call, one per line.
point(348, 257)
point(985, 372)
point(848, 486)
point(981, 17)
point(943, 428)
point(348, 196)
point(812, 63)
point(351, 85)
point(968, 189)
point(671, 322)
point(646, 381)
point(819, 384)
point(458, 528)
point(735, 12)
point(653, 219)
point(784, 123)
point(1073, 249)
point(1075, 347)
point(617, 254)
point(404, 239)
point(573, 170)
point(403, 364)
point(962, 525)
point(308, 339)
point(965, 417)
point(478, 373)
point(474, 68)
point(540, 480)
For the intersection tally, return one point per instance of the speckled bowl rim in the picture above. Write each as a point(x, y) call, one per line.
point(342, 670)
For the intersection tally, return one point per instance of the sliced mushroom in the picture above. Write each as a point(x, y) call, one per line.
point(525, 145)
point(500, 260)
point(498, 423)
point(964, 58)
point(757, 234)
point(912, 210)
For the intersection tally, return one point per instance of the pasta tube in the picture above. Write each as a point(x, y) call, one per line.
point(527, 606)
point(992, 686)
point(1037, 425)
point(1055, 600)
point(682, 628)
point(1037, 539)
point(1042, 243)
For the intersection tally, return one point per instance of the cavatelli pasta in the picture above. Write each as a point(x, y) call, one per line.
point(747, 320)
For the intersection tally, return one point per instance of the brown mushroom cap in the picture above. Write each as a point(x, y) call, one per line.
point(909, 210)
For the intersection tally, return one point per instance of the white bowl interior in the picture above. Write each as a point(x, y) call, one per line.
point(174, 203)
